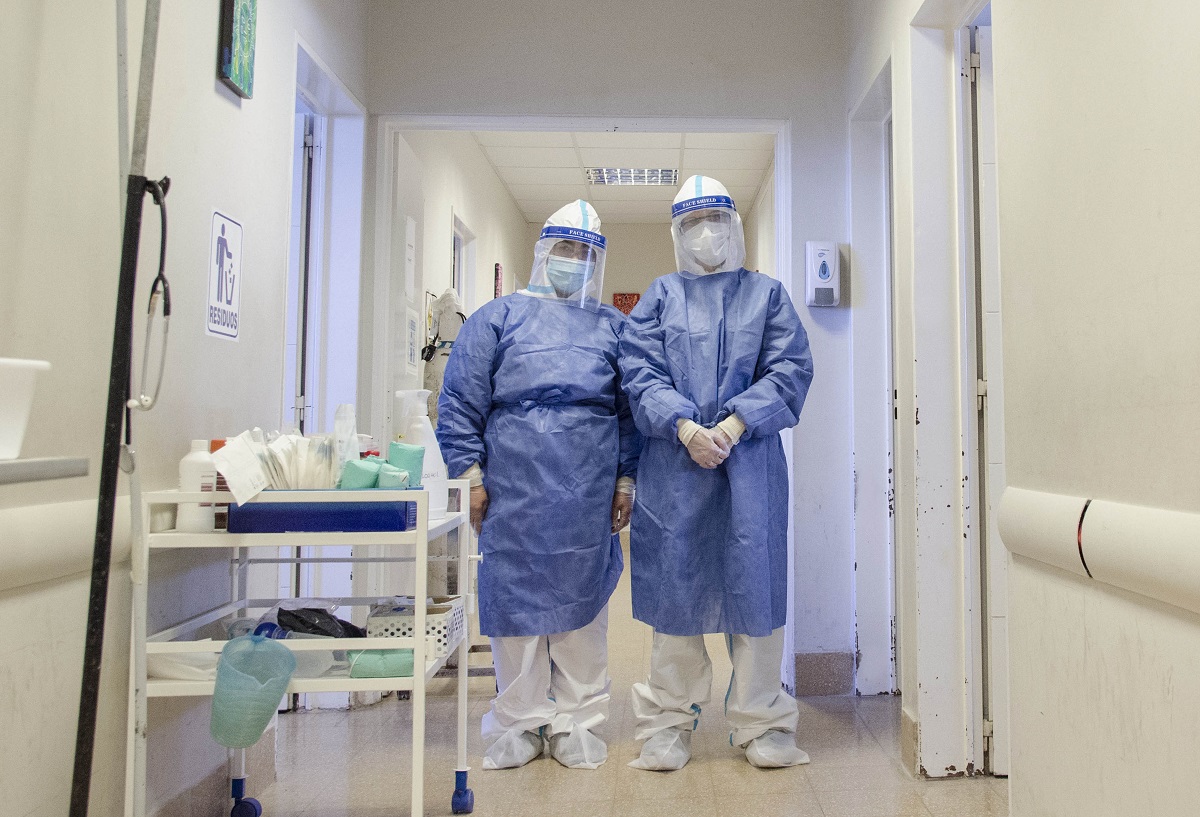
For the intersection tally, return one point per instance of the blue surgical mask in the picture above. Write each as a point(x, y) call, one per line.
point(567, 275)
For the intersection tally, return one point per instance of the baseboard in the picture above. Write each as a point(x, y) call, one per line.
point(824, 673)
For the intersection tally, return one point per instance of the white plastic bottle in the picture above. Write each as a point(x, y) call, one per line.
point(413, 427)
point(197, 472)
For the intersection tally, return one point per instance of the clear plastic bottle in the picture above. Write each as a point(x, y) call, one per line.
point(197, 472)
point(413, 427)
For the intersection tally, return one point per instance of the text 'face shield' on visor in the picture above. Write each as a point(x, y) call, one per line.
point(568, 266)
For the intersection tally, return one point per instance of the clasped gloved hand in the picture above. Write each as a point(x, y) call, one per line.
point(479, 506)
point(708, 447)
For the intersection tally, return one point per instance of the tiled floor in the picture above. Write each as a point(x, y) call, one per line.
point(358, 763)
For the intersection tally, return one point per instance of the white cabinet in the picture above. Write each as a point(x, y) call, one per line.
point(246, 549)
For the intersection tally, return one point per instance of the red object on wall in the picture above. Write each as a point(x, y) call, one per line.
point(626, 301)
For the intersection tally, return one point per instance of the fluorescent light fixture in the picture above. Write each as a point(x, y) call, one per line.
point(632, 175)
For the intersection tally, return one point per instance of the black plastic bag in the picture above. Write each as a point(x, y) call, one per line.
point(315, 621)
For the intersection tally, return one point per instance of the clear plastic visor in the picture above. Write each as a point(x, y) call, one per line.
point(568, 270)
point(708, 240)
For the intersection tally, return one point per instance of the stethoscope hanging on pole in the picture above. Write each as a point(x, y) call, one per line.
point(160, 290)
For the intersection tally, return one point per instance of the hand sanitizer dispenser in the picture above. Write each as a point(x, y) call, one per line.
point(822, 274)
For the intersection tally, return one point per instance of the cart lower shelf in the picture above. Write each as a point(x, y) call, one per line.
point(167, 688)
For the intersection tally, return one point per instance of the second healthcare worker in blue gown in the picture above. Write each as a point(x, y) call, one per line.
point(532, 412)
point(716, 364)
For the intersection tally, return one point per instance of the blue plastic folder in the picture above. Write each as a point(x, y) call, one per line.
point(321, 517)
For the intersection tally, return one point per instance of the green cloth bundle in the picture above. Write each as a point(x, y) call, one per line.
point(360, 474)
point(381, 663)
point(392, 478)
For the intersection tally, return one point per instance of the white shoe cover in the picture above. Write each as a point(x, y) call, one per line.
point(775, 749)
point(513, 749)
point(666, 750)
point(578, 749)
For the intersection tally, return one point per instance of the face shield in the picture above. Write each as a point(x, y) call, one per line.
point(707, 231)
point(568, 266)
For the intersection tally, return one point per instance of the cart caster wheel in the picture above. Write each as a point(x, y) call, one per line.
point(463, 801)
point(247, 807)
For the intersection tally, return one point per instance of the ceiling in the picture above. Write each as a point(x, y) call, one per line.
point(545, 170)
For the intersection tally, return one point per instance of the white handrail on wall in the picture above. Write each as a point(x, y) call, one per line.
point(1149, 551)
point(40, 543)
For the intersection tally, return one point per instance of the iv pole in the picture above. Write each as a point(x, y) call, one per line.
point(118, 388)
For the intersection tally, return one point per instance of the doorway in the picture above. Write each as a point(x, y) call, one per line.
point(538, 189)
point(876, 403)
point(322, 305)
point(462, 275)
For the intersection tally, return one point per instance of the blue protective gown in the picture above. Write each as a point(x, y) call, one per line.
point(532, 394)
point(709, 547)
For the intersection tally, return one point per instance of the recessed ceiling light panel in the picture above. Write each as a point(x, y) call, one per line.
point(632, 175)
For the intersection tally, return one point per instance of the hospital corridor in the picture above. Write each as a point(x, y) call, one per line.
point(412, 407)
point(854, 743)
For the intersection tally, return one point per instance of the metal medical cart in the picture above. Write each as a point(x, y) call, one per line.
point(389, 546)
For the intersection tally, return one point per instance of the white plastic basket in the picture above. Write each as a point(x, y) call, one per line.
point(445, 622)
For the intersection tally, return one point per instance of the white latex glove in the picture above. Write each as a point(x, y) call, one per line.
point(474, 474)
point(707, 447)
point(733, 427)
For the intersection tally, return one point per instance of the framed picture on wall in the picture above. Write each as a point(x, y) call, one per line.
point(499, 286)
point(235, 49)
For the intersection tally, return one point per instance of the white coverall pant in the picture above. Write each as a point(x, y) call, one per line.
point(681, 680)
point(550, 680)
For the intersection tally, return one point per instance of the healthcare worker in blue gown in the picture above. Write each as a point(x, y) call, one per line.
point(531, 411)
point(716, 364)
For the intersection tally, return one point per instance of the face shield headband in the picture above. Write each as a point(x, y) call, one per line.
point(568, 266)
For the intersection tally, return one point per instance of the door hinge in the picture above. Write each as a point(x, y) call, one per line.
point(988, 729)
point(974, 67)
point(980, 393)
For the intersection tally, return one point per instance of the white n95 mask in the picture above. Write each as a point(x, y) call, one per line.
point(708, 243)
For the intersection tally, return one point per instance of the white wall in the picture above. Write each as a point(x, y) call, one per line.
point(637, 254)
point(1097, 172)
point(507, 59)
point(459, 182)
point(1092, 147)
point(62, 246)
point(759, 224)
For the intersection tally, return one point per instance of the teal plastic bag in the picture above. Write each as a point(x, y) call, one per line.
point(252, 676)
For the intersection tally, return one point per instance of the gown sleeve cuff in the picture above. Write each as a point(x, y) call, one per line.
point(625, 485)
